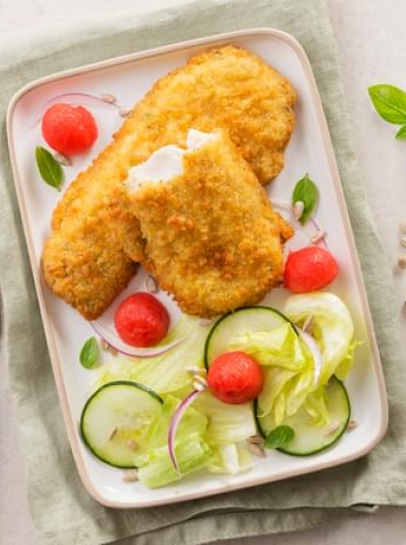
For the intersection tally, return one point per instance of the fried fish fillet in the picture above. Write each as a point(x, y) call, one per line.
point(226, 87)
point(84, 264)
point(211, 236)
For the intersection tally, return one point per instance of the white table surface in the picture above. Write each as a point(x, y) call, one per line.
point(371, 37)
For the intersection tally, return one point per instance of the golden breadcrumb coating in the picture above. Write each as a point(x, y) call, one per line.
point(211, 236)
point(84, 264)
point(226, 87)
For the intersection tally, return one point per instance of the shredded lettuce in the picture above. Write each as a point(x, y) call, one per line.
point(273, 396)
point(289, 364)
point(316, 407)
point(166, 373)
point(333, 329)
point(230, 458)
point(345, 365)
point(193, 421)
point(280, 346)
point(156, 458)
point(227, 423)
point(213, 434)
point(288, 367)
point(192, 454)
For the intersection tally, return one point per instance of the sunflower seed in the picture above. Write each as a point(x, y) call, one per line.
point(318, 237)
point(110, 99)
point(352, 424)
point(308, 324)
point(113, 434)
point(193, 369)
point(124, 112)
point(402, 261)
point(256, 440)
point(200, 379)
point(297, 210)
point(256, 450)
point(132, 444)
point(199, 386)
point(104, 345)
point(113, 351)
point(204, 322)
point(130, 476)
point(63, 160)
point(332, 428)
point(151, 285)
point(402, 242)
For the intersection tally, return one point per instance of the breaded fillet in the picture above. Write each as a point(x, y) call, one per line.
point(226, 87)
point(211, 236)
point(84, 264)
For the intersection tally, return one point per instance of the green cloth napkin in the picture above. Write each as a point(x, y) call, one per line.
point(62, 510)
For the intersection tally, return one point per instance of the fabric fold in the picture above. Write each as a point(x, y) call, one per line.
point(62, 510)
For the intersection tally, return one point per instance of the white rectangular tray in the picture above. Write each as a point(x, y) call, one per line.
point(128, 78)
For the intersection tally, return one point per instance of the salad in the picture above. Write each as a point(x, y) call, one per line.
point(257, 379)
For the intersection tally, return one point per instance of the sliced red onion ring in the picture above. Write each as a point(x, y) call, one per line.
point(174, 423)
point(132, 351)
point(92, 99)
point(315, 350)
point(82, 98)
point(287, 206)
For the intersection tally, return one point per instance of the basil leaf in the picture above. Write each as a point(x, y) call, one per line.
point(89, 354)
point(280, 436)
point(401, 134)
point(306, 192)
point(389, 102)
point(49, 168)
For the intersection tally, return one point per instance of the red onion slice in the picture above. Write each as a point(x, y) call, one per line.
point(174, 423)
point(77, 97)
point(132, 351)
point(315, 350)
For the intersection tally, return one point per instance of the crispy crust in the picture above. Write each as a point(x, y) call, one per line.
point(211, 236)
point(84, 264)
point(224, 87)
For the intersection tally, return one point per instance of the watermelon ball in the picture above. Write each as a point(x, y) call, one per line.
point(235, 377)
point(69, 129)
point(141, 320)
point(309, 269)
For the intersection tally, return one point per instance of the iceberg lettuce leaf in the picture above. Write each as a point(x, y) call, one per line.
point(333, 329)
point(193, 421)
point(280, 346)
point(166, 373)
point(230, 458)
point(226, 423)
point(286, 388)
point(345, 365)
point(316, 407)
point(192, 453)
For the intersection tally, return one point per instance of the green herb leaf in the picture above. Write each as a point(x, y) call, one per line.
point(278, 437)
point(389, 102)
point(401, 134)
point(306, 192)
point(89, 354)
point(49, 168)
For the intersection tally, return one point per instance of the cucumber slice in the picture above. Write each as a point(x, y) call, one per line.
point(116, 419)
point(310, 439)
point(242, 320)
